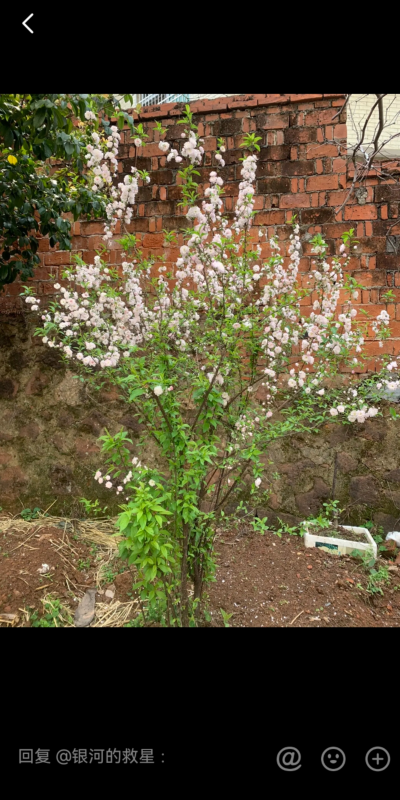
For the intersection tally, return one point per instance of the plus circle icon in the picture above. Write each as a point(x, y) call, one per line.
point(377, 759)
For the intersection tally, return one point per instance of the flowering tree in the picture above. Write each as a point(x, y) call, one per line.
point(202, 354)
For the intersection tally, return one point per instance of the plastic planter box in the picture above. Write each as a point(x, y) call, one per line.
point(341, 547)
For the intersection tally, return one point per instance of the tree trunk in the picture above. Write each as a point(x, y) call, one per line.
point(184, 591)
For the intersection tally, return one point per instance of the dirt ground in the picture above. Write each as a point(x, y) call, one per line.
point(266, 581)
point(261, 580)
point(41, 561)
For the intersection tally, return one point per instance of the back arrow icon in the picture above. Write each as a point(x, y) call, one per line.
point(27, 26)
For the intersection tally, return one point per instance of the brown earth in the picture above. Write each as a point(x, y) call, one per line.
point(73, 568)
point(261, 580)
point(266, 581)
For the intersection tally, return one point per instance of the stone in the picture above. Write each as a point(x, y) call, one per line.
point(8, 389)
point(373, 429)
point(93, 423)
point(11, 478)
point(61, 444)
point(346, 463)
point(17, 360)
point(133, 426)
point(84, 614)
point(37, 383)
point(68, 392)
point(395, 497)
point(308, 504)
point(339, 434)
point(293, 470)
point(363, 489)
point(84, 447)
point(65, 420)
point(50, 358)
point(393, 475)
point(110, 592)
point(109, 395)
point(387, 521)
point(61, 478)
point(321, 489)
point(30, 431)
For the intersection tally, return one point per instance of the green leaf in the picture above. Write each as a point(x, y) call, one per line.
point(39, 117)
point(8, 137)
point(136, 393)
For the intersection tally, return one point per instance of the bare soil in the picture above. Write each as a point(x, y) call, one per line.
point(266, 581)
point(261, 580)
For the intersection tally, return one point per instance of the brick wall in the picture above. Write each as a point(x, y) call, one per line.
point(299, 171)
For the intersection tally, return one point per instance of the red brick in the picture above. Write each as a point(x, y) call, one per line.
point(322, 150)
point(337, 198)
point(274, 153)
point(360, 212)
point(298, 135)
point(88, 228)
point(298, 98)
point(60, 257)
point(300, 200)
point(273, 217)
point(339, 165)
point(340, 132)
point(153, 240)
point(318, 183)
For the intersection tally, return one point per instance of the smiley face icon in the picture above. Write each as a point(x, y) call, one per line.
point(333, 759)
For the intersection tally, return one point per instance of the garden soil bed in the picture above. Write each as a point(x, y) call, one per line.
point(338, 532)
point(262, 580)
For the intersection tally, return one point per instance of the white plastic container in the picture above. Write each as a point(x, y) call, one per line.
point(341, 547)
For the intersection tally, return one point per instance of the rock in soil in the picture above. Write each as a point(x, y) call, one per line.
point(85, 611)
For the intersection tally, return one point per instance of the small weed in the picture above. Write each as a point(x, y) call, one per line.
point(83, 564)
point(108, 573)
point(293, 531)
point(226, 617)
point(27, 514)
point(93, 508)
point(377, 577)
point(259, 525)
point(55, 614)
point(283, 602)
